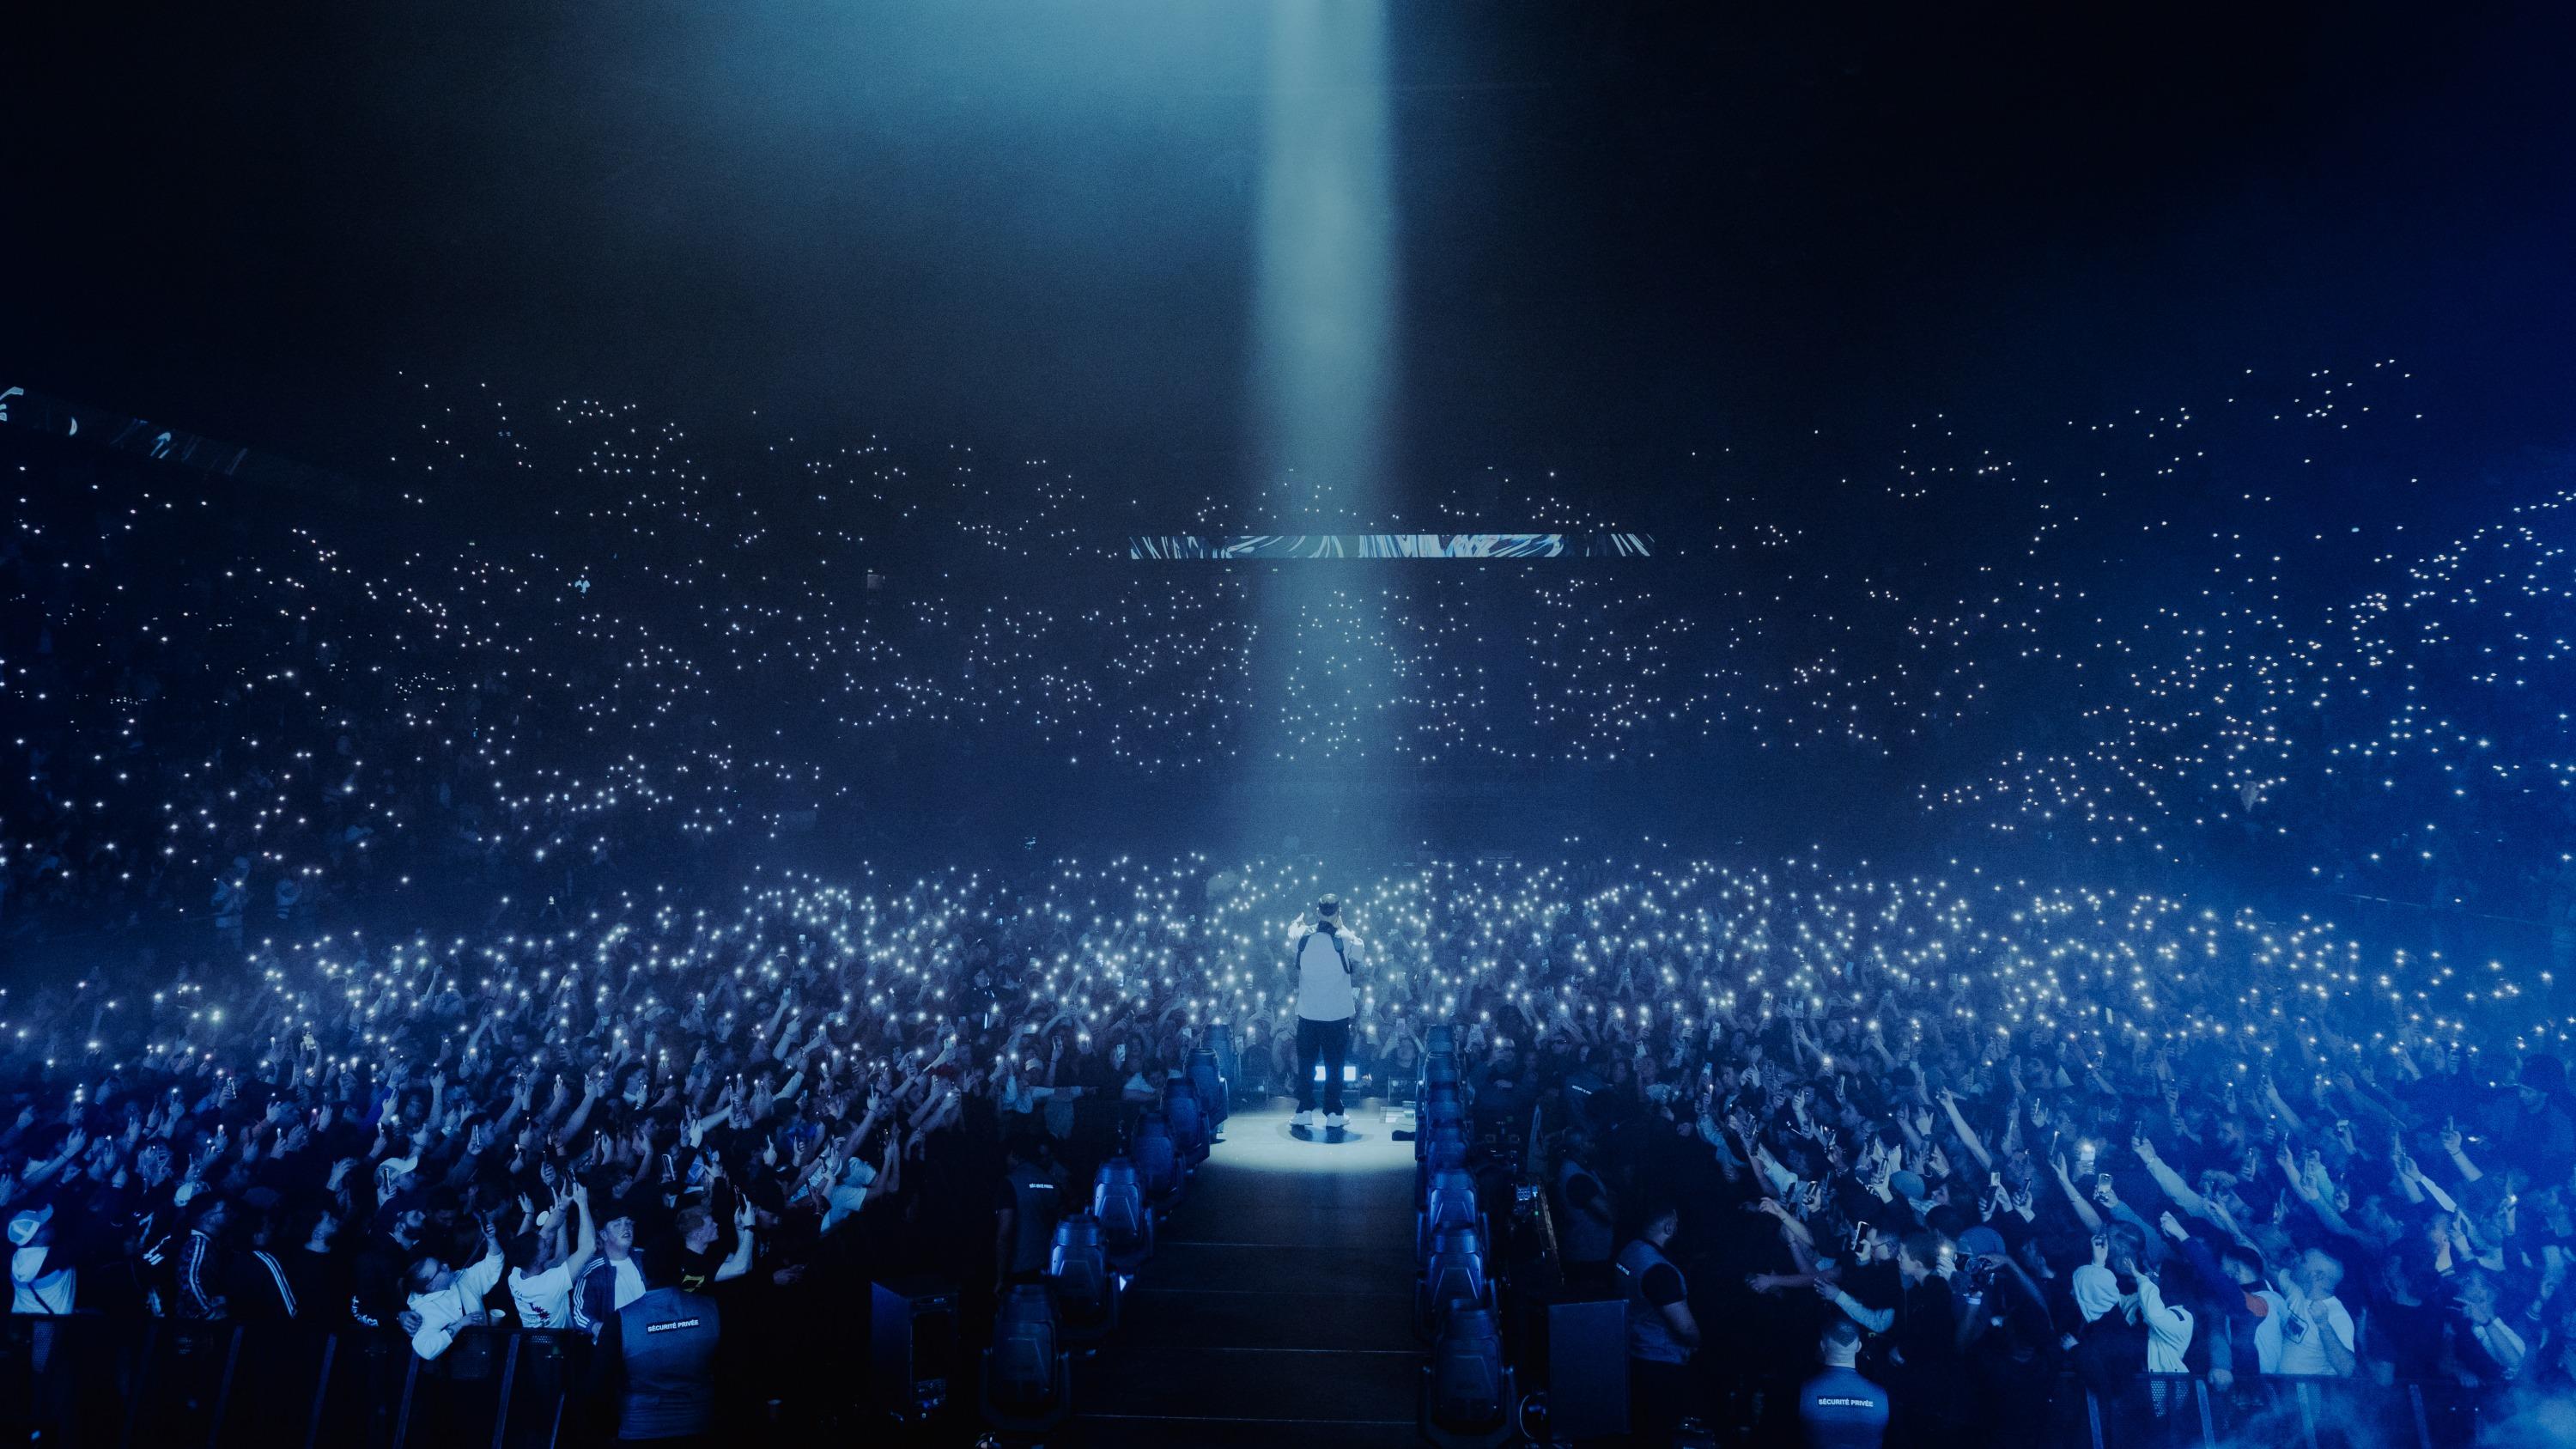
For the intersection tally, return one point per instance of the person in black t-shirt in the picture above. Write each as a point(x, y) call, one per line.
point(2405, 1340)
point(1926, 1351)
point(2010, 1343)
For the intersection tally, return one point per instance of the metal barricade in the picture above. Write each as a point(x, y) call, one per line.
point(90, 1380)
point(93, 1380)
point(2186, 1411)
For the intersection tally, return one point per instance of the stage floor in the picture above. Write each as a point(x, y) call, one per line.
point(1277, 1308)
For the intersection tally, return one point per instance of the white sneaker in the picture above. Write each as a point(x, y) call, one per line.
point(1303, 1121)
point(1336, 1121)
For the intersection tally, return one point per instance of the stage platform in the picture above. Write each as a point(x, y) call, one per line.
point(1277, 1308)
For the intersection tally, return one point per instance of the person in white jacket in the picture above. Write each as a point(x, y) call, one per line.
point(2169, 1326)
point(444, 1299)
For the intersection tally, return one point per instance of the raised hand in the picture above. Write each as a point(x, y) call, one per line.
point(2225, 1218)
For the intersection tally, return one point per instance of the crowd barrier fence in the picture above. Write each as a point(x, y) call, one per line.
point(2188, 1411)
point(91, 1380)
point(87, 1379)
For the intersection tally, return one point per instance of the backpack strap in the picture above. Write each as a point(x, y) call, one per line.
point(1344, 956)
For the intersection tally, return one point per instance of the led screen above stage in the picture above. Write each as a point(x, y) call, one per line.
point(1392, 545)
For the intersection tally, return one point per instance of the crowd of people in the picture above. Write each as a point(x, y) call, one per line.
point(535, 1133)
point(246, 706)
point(2009, 1135)
point(1980, 1225)
point(438, 968)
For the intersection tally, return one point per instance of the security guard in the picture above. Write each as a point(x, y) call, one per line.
point(1025, 1211)
point(660, 1353)
point(1661, 1331)
point(1587, 1236)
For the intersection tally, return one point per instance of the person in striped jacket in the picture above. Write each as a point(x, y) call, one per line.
point(198, 1268)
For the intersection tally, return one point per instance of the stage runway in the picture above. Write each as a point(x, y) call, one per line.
point(1277, 1309)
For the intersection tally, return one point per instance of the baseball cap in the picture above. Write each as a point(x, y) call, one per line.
point(23, 1225)
point(1981, 1240)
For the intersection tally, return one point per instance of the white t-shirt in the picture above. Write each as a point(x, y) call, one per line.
point(37, 1290)
point(630, 1282)
point(2305, 1356)
point(544, 1299)
point(1323, 985)
point(2267, 1331)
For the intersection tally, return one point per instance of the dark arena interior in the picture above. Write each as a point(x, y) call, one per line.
point(1203, 723)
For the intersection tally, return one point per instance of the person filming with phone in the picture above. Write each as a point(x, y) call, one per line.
point(1328, 959)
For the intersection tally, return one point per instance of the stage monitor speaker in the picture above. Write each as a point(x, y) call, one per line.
point(1587, 1369)
point(912, 1347)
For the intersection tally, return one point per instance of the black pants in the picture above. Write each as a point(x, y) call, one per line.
point(1658, 1398)
point(1332, 1040)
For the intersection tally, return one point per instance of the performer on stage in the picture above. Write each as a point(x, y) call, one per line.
point(1326, 956)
